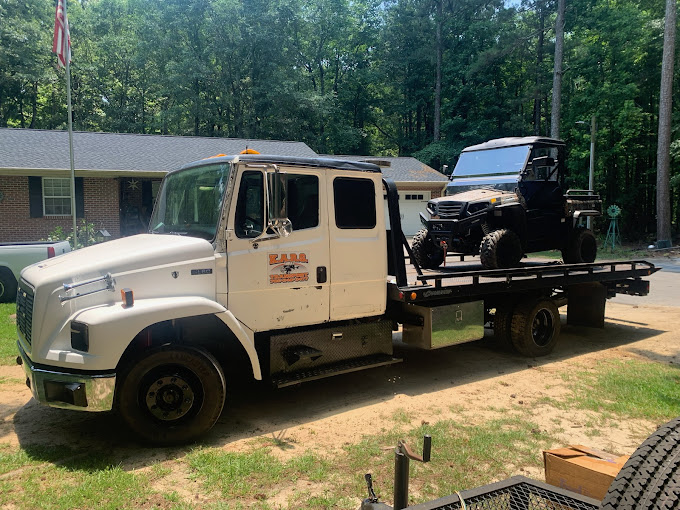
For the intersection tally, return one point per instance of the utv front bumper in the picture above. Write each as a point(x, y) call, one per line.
point(56, 388)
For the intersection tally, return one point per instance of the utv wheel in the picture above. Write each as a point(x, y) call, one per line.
point(582, 247)
point(8, 286)
point(427, 254)
point(500, 249)
point(650, 479)
point(535, 327)
point(171, 394)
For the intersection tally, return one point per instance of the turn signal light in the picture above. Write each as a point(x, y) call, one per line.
point(128, 297)
point(413, 296)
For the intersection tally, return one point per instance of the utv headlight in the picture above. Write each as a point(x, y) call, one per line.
point(479, 206)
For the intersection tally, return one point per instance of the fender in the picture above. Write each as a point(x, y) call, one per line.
point(247, 338)
point(114, 326)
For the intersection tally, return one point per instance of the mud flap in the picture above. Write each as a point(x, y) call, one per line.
point(586, 305)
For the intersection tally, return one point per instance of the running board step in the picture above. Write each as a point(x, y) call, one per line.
point(281, 380)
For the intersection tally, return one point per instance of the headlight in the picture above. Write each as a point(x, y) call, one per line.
point(479, 206)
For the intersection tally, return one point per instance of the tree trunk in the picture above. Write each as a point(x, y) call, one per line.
point(438, 80)
point(663, 216)
point(557, 74)
point(538, 94)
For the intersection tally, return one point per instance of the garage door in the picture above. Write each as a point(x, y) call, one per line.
point(411, 204)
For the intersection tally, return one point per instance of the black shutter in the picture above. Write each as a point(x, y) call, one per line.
point(35, 197)
point(80, 198)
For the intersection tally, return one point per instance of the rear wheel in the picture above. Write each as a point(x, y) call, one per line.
point(8, 286)
point(171, 394)
point(500, 249)
point(582, 247)
point(650, 479)
point(428, 255)
point(502, 325)
point(535, 327)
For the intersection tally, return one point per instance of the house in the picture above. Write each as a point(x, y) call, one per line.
point(117, 177)
point(416, 182)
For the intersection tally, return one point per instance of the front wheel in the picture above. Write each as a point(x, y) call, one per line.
point(535, 327)
point(171, 394)
point(427, 254)
point(8, 286)
point(500, 249)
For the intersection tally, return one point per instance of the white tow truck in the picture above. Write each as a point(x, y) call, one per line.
point(273, 268)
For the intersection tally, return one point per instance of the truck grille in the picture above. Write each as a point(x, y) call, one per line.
point(25, 311)
point(449, 209)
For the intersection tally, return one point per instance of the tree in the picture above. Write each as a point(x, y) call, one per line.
point(557, 74)
point(663, 213)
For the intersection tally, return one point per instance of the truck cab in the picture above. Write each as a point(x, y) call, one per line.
point(243, 254)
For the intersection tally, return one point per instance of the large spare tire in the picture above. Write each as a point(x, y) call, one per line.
point(427, 254)
point(651, 477)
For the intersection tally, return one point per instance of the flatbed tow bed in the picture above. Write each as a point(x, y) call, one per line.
point(520, 304)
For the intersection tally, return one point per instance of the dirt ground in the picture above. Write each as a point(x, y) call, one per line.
point(463, 382)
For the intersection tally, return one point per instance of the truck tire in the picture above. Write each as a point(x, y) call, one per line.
point(535, 327)
point(427, 254)
point(582, 247)
point(502, 325)
point(651, 477)
point(8, 286)
point(500, 249)
point(171, 394)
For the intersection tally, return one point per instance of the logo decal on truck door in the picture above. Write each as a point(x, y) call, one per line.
point(288, 268)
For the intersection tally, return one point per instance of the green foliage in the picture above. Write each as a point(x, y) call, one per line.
point(355, 77)
point(633, 389)
point(8, 334)
point(87, 234)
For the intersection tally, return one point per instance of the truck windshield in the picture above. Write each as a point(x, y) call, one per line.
point(190, 201)
point(506, 160)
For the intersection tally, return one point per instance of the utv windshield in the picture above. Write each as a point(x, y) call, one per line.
point(491, 162)
point(190, 201)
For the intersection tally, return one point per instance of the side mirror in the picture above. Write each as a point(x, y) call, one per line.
point(277, 221)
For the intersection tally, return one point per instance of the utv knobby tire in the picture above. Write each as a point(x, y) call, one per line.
point(8, 286)
point(535, 327)
point(651, 477)
point(582, 247)
point(171, 394)
point(427, 254)
point(500, 249)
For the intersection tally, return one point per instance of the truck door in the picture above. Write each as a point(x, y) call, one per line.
point(281, 282)
point(358, 246)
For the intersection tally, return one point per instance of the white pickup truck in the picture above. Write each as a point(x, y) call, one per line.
point(16, 256)
point(269, 268)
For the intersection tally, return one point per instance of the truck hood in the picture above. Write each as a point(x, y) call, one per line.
point(475, 195)
point(152, 266)
point(128, 254)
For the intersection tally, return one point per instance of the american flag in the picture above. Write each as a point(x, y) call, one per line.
point(61, 45)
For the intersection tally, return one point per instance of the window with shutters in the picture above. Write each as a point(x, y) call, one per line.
point(56, 194)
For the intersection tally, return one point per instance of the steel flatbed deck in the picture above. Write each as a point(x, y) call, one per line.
point(454, 283)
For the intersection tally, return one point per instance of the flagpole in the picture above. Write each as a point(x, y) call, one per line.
point(70, 133)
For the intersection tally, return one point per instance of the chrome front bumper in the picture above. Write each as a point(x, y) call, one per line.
point(82, 392)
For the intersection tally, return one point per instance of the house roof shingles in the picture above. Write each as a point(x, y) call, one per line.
point(402, 169)
point(120, 153)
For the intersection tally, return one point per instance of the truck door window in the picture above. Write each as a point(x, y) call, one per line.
point(303, 201)
point(250, 206)
point(354, 203)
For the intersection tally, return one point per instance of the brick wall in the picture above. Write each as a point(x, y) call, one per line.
point(435, 191)
point(16, 225)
